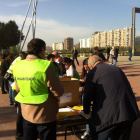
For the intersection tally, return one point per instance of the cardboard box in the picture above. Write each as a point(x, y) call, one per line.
point(71, 93)
point(65, 79)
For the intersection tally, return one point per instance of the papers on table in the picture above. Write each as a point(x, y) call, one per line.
point(67, 114)
point(72, 113)
point(65, 109)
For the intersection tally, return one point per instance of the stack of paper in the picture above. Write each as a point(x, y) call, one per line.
point(67, 114)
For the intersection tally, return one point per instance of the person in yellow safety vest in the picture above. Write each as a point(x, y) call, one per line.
point(38, 88)
point(12, 94)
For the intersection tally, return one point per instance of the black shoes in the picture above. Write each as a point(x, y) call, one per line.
point(15, 104)
point(4, 92)
point(11, 103)
point(18, 138)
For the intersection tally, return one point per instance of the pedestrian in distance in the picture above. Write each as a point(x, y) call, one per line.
point(108, 52)
point(130, 53)
point(74, 55)
point(114, 107)
point(116, 52)
point(90, 51)
point(39, 88)
point(112, 54)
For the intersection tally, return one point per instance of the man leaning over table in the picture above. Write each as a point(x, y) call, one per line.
point(38, 88)
point(114, 106)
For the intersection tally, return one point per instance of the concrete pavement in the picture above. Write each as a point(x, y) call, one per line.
point(132, 71)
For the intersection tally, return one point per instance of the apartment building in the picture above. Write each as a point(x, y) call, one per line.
point(110, 38)
point(97, 39)
point(119, 37)
point(48, 48)
point(85, 43)
point(68, 43)
point(58, 46)
point(103, 39)
point(92, 40)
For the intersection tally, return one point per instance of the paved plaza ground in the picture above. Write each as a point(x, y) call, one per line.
point(8, 113)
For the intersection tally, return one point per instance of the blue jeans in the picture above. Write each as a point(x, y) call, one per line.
point(87, 125)
point(46, 131)
point(11, 94)
point(130, 55)
point(112, 60)
point(4, 84)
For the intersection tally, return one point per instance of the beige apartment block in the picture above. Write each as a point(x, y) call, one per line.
point(92, 40)
point(97, 39)
point(119, 37)
point(110, 38)
point(58, 46)
point(103, 39)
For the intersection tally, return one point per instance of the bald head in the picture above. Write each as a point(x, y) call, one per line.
point(92, 60)
point(56, 54)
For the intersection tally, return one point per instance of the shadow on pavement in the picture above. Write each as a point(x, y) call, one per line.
point(7, 114)
point(133, 75)
point(7, 133)
point(138, 98)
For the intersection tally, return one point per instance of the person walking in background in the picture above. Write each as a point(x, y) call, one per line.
point(108, 52)
point(114, 107)
point(90, 51)
point(74, 55)
point(130, 53)
point(112, 56)
point(116, 52)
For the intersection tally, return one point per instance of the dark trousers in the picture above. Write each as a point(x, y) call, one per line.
point(76, 60)
point(19, 122)
point(119, 131)
point(117, 58)
point(46, 131)
point(4, 84)
point(108, 55)
point(130, 55)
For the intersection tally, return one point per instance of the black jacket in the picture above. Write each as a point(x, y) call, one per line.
point(5, 66)
point(130, 50)
point(112, 96)
point(116, 52)
point(75, 53)
point(108, 51)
